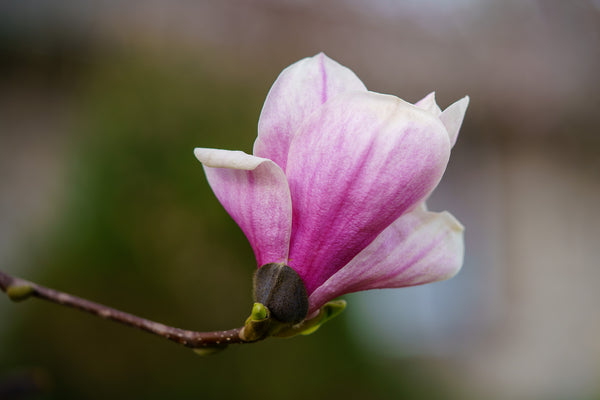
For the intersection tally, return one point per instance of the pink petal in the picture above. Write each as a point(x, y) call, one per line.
point(452, 117)
point(419, 247)
point(298, 91)
point(354, 168)
point(255, 192)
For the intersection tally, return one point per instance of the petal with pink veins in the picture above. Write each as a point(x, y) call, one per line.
point(255, 192)
point(298, 91)
point(354, 167)
point(419, 247)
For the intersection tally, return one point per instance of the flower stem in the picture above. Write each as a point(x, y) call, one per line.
point(18, 289)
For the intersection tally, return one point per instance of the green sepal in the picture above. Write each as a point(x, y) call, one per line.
point(327, 312)
point(259, 312)
point(19, 292)
point(258, 324)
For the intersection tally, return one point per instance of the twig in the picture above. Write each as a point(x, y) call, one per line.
point(19, 289)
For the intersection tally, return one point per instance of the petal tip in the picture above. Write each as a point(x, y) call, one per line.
point(452, 117)
point(428, 103)
point(201, 153)
point(217, 158)
point(452, 222)
point(463, 103)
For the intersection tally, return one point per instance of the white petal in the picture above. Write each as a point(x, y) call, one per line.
point(452, 117)
point(428, 103)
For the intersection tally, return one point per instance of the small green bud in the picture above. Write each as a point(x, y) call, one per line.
point(259, 312)
point(282, 291)
point(258, 324)
point(19, 292)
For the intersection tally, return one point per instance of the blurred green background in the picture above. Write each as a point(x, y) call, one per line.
point(102, 103)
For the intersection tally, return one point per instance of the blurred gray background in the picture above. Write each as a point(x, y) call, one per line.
point(101, 104)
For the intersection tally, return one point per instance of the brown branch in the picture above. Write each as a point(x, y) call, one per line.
point(19, 289)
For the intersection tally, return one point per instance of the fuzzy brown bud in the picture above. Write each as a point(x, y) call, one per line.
point(282, 291)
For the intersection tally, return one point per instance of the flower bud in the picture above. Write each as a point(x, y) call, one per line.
point(19, 292)
point(282, 291)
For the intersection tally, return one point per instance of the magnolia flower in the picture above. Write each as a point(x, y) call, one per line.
point(337, 183)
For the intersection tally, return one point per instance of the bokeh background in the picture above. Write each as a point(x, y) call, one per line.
point(101, 104)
